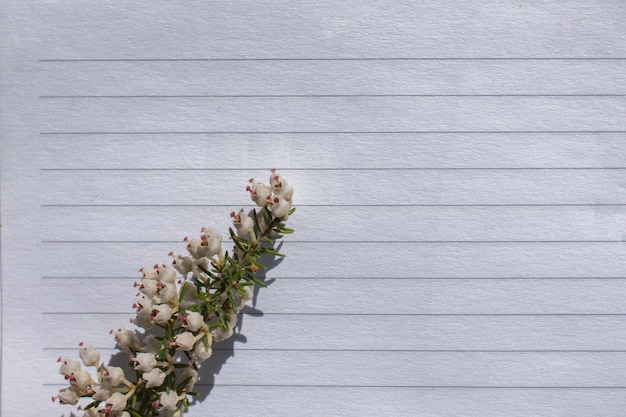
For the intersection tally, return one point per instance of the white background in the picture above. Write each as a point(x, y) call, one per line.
point(459, 170)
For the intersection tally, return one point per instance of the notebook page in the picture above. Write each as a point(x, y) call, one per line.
point(459, 176)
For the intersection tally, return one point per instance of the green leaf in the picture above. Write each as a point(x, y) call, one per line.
point(256, 262)
point(203, 269)
point(133, 413)
point(92, 405)
point(259, 282)
point(183, 290)
point(257, 228)
point(182, 384)
point(272, 252)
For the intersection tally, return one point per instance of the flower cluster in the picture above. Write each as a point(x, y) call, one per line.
point(182, 309)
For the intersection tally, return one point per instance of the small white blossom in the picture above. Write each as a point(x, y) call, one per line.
point(67, 396)
point(210, 242)
point(144, 362)
point(200, 351)
point(223, 333)
point(193, 321)
point(244, 224)
point(246, 295)
point(68, 366)
point(280, 207)
point(116, 402)
point(89, 355)
point(193, 247)
point(154, 378)
point(259, 192)
point(169, 400)
point(102, 391)
point(113, 375)
point(126, 339)
point(166, 293)
point(182, 264)
point(161, 313)
point(80, 380)
point(148, 286)
point(149, 273)
point(184, 341)
point(167, 274)
point(280, 187)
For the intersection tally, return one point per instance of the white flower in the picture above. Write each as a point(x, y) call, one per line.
point(244, 224)
point(166, 293)
point(167, 274)
point(113, 375)
point(126, 339)
point(248, 293)
point(210, 242)
point(200, 351)
point(181, 263)
point(280, 187)
point(144, 361)
point(161, 313)
point(223, 333)
point(193, 320)
point(67, 396)
point(154, 378)
point(193, 247)
point(148, 286)
point(149, 273)
point(280, 207)
point(89, 355)
point(259, 192)
point(184, 341)
point(168, 400)
point(80, 379)
point(102, 391)
point(68, 366)
point(116, 402)
point(143, 305)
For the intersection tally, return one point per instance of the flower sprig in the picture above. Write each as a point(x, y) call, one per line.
point(183, 310)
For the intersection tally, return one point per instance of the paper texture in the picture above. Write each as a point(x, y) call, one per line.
point(459, 172)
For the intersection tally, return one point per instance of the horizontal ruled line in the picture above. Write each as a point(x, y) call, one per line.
point(429, 387)
point(157, 205)
point(617, 168)
point(456, 387)
point(295, 278)
point(327, 132)
point(382, 314)
point(339, 350)
point(296, 59)
point(175, 96)
point(352, 242)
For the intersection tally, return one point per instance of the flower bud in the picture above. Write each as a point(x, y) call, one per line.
point(89, 355)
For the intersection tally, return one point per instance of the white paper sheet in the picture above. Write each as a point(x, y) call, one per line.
point(459, 169)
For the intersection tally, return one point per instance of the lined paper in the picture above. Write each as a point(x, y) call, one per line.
point(459, 172)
